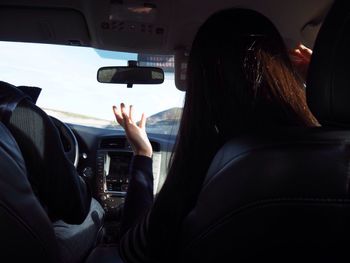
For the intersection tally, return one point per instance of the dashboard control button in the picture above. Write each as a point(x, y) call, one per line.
point(87, 172)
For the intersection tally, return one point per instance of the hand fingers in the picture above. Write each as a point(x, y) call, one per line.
point(305, 55)
point(295, 59)
point(127, 122)
point(304, 52)
point(142, 123)
point(295, 53)
point(122, 108)
point(131, 113)
point(298, 57)
point(305, 49)
point(118, 116)
point(124, 114)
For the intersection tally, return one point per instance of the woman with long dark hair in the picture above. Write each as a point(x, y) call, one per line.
point(240, 79)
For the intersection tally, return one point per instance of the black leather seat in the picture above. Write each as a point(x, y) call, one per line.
point(284, 195)
point(271, 193)
point(26, 233)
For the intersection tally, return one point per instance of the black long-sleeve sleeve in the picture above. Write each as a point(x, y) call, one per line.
point(140, 192)
point(135, 215)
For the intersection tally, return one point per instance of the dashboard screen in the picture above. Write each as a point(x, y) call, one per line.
point(119, 167)
point(117, 171)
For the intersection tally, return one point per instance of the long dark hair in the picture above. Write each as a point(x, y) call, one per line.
point(240, 78)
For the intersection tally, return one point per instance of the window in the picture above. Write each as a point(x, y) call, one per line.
point(70, 91)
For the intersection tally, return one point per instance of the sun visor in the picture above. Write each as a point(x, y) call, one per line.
point(43, 25)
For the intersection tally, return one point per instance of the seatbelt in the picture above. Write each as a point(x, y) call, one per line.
point(10, 97)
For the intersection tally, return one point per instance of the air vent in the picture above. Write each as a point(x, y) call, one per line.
point(115, 143)
point(122, 143)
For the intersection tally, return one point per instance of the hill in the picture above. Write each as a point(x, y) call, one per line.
point(172, 115)
point(165, 122)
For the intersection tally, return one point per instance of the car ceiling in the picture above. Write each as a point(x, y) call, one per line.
point(154, 26)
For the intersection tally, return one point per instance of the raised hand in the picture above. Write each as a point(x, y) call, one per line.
point(136, 133)
point(301, 57)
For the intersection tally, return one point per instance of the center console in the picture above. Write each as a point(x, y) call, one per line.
point(113, 174)
point(113, 165)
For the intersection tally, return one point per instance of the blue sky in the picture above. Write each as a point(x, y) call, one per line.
point(67, 76)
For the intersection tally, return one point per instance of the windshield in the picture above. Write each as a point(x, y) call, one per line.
point(71, 92)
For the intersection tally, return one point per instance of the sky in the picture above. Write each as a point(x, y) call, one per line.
point(67, 77)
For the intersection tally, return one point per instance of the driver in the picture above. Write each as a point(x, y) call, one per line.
point(76, 217)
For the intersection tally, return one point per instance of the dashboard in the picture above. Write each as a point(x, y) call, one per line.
point(105, 159)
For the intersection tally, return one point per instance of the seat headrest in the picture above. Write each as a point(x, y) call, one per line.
point(328, 83)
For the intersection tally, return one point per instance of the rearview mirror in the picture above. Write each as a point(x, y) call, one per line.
point(130, 75)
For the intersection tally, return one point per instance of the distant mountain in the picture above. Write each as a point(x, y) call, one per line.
point(165, 122)
point(70, 117)
point(170, 115)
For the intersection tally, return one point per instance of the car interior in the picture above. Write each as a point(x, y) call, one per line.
point(277, 196)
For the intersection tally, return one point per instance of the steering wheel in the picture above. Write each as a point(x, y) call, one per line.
point(69, 141)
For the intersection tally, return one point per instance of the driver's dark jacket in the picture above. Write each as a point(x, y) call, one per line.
point(54, 179)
